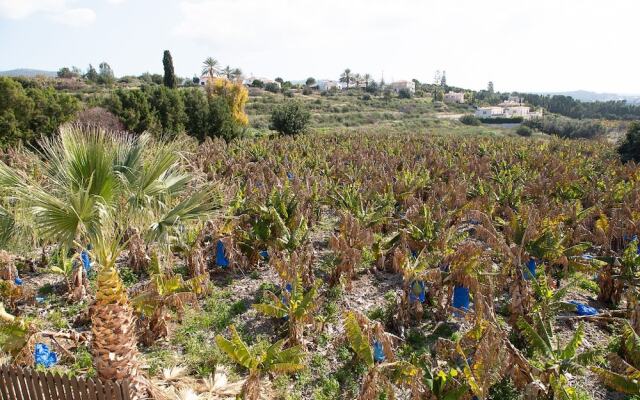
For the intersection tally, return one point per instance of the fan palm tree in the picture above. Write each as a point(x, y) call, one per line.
point(97, 184)
point(346, 77)
point(210, 67)
point(227, 72)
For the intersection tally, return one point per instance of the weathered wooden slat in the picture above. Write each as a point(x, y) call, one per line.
point(51, 385)
point(27, 384)
point(117, 391)
point(35, 390)
point(4, 383)
point(91, 390)
point(126, 395)
point(75, 388)
point(100, 390)
point(57, 380)
point(16, 386)
point(26, 395)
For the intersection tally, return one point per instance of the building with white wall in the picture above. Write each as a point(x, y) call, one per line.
point(454, 97)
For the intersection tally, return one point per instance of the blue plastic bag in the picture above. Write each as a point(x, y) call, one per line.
point(18, 281)
point(221, 258)
point(288, 288)
point(378, 352)
point(417, 292)
point(264, 254)
point(290, 176)
point(530, 272)
point(461, 297)
point(583, 309)
point(44, 356)
point(86, 260)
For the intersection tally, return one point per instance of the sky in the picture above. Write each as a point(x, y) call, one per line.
point(520, 45)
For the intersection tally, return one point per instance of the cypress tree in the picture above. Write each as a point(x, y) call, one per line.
point(169, 76)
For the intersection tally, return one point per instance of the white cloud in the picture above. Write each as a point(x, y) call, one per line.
point(76, 17)
point(521, 45)
point(56, 10)
point(18, 9)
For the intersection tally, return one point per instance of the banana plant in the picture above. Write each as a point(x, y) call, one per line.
point(369, 211)
point(621, 275)
point(624, 377)
point(381, 374)
point(295, 305)
point(275, 360)
point(163, 293)
point(64, 267)
point(15, 332)
point(553, 360)
point(445, 384)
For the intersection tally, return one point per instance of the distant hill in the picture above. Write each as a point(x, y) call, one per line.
point(586, 96)
point(28, 73)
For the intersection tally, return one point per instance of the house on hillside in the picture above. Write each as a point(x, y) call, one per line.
point(454, 97)
point(400, 85)
point(206, 78)
point(326, 85)
point(523, 112)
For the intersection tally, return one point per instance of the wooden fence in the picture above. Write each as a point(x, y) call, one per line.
point(25, 384)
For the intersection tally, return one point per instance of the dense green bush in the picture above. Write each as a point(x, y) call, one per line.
point(168, 108)
point(290, 118)
point(502, 120)
point(28, 114)
point(133, 109)
point(566, 127)
point(164, 111)
point(524, 130)
point(405, 94)
point(272, 87)
point(470, 119)
point(629, 149)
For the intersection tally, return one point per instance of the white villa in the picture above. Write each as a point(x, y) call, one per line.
point(400, 85)
point(453, 97)
point(507, 112)
point(326, 85)
point(205, 78)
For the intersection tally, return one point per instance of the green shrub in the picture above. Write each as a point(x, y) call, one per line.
point(566, 127)
point(272, 87)
point(290, 118)
point(524, 131)
point(629, 150)
point(26, 114)
point(405, 94)
point(469, 119)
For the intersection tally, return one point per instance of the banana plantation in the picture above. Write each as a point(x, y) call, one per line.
point(354, 265)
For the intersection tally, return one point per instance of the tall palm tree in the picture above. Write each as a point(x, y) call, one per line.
point(96, 185)
point(210, 67)
point(227, 72)
point(346, 77)
point(357, 78)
